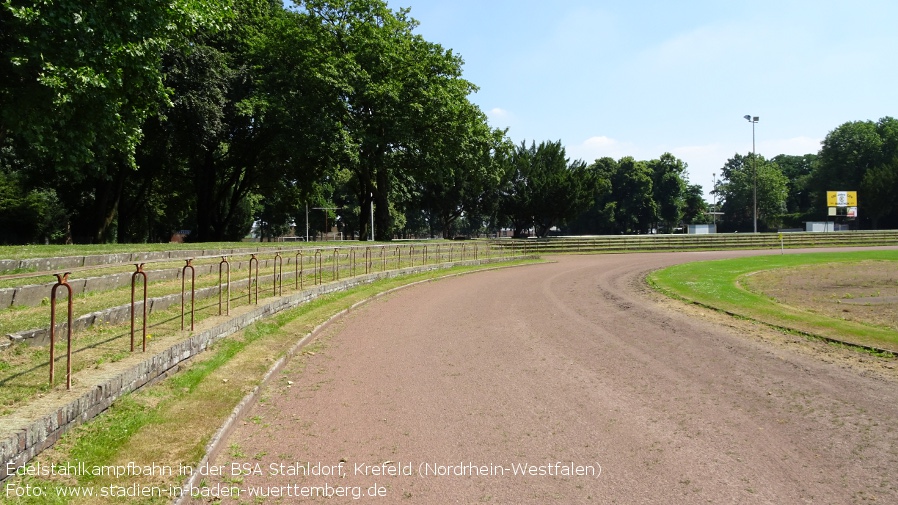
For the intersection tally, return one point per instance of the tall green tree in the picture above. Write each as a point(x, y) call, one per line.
point(458, 172)
point(636, 209)
point(78, 80)
point(601, 215)
point(27, 216)
point(393, 83)
point(738, 178)
point(668, 189)
point(695, 208)
point(798, 171)
point(878, 190)
point(848, 153)
point(543, 188)
point(251, 127)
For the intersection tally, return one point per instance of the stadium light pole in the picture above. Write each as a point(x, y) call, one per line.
point(754, 120)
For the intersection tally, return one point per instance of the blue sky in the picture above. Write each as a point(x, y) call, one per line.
point(640, 78)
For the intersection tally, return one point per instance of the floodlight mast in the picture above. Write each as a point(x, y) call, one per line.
point(753, 120)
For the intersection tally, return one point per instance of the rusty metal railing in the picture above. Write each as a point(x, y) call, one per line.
point(278, 288)
point(249, 283)
point(336, 266)
point(224, 266)
point(298, 264)
point(389, 256)
point(62, 280)
point(192, 292)
point(134, 276)
point(317, 266)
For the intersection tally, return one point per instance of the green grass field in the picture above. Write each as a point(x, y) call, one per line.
point(715, 284)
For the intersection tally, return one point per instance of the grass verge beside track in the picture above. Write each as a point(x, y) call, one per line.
point(715, 284)
point(170, 423)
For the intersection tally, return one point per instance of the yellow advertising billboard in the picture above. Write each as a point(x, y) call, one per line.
point(841, 198)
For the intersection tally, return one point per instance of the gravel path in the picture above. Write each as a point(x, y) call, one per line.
point(608, 393)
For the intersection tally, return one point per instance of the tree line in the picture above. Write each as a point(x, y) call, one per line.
point(127, 122)
point(859, 156)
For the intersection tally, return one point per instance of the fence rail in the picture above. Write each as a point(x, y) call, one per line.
point(640, 243)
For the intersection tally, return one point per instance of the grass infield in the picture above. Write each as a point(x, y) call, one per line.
point(719, 285)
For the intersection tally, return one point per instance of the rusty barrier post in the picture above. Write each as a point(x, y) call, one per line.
point(368, 260)
point(383, 258)
point(451, 247)
point(61, 280)
point(297, 267)
point(352, 262)
point(424, 255)
point(411, 255)
point(143, 274)
point(336, 266)
point(398, 257)
point(249, 283)
point(224, 265)
point(318, 264)
point(192, 291)
point(278, 288)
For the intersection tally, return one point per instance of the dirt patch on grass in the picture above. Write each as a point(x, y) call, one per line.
point(864, 292)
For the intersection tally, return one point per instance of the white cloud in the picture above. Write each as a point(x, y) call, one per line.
point(599, 142)
point(497, 113)
point(597, 147)
point(501, 118)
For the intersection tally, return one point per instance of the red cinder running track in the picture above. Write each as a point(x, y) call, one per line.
point(573, 373)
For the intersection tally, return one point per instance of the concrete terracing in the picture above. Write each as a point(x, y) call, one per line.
point(39, 424)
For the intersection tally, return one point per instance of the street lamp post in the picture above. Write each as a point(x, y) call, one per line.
point(753, 120)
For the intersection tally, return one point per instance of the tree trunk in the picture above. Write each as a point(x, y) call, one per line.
point(364, 211)
point(106, 207)
point(382, 227)
point(206, 206)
